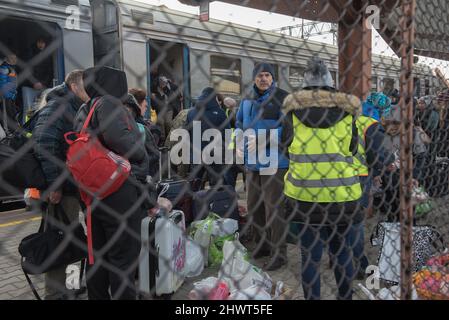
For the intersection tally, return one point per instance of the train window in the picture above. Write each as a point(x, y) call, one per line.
point(334, 77)
point(388, 85)
point(105, 34)
point(374, 84)
point(417, 87)
point(226, 74)
point(275, 67)
point(427, 87)
point(296, 76)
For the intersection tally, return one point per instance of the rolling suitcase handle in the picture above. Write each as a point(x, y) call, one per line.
point(167, 151)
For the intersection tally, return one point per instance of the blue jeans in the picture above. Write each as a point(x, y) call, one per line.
point(357, 242)
point(312, 241)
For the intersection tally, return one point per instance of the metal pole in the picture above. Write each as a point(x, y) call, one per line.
point(406, 156)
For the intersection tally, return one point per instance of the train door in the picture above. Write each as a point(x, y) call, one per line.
point(21, 38)
point(170, 60)
point(106, 33)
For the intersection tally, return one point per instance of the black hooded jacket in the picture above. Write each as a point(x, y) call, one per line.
point(321, 109)
point(211, 116)
point(114, 125)
point(52, 122)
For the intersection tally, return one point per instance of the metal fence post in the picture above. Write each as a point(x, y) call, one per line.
point(406, 155)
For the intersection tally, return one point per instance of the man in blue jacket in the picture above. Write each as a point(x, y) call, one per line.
point(262, 113)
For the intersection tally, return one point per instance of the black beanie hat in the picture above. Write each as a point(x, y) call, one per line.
point(263, 67)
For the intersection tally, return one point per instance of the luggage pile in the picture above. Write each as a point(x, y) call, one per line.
point(238, 279)
point(168, 255)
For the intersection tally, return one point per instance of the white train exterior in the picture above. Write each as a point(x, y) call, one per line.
point(137, 37)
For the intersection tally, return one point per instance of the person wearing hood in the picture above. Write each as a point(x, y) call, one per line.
point(53, 121)
point(322, 184)
point(376, 105)
point(210, 115)
point(115, 223)
point(262, 115)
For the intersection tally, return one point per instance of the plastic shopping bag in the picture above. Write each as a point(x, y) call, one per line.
point(194, 259)
point(238, 272)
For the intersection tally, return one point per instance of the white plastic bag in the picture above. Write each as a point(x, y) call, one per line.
point(239, 273)
point(2, 133)
point(254, 292)
point(194, 259)
point(224, 227)
point(202, 289)
point(233, 251)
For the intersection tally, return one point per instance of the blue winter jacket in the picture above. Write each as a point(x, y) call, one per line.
point(262, 112)
point(50, 148)
point(8, 81)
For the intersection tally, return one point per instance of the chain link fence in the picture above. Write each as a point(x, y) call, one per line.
point(177, 158)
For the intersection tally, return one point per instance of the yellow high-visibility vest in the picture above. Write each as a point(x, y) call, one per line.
point(321, 165)
point(363, 123)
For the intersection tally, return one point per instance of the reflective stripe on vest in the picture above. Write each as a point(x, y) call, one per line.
point(323, 183)
point(321, 165)
point(363, 123)
point(330, 157)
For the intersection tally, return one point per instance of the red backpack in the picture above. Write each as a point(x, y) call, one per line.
point(98, 171)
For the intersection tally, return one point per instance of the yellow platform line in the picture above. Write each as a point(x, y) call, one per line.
point(9, 224)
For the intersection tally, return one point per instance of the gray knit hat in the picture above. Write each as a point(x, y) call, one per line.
point(317, 74)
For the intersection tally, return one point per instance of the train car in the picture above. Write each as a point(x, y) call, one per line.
point(146, 40)
point(199, 54)
point(66, 25)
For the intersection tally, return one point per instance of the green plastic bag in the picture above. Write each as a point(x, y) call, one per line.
point(205, 225)
point(422, 209)
point(201, 232)
point(216, 249)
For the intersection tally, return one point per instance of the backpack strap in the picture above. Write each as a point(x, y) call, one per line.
point(89, 116)
point(27, 277)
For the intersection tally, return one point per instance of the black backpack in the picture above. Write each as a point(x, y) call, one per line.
point(19, 168)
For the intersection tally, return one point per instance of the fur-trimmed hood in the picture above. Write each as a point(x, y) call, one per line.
point(304, 99)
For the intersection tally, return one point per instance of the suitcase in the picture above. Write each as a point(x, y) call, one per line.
point(179, 192)
point(163, 254)
point(222, 201)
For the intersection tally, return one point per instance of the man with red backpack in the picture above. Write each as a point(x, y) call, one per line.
point(115, 219)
